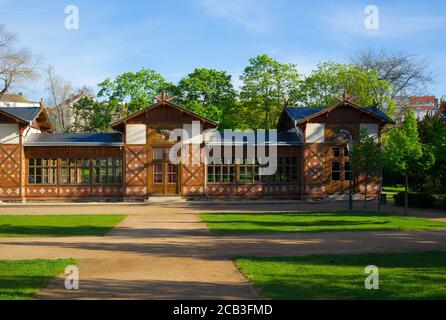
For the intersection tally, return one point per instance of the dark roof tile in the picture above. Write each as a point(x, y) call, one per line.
point(70, 139)
point(26, 114)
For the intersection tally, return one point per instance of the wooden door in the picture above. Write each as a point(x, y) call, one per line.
point(340, 170)
point(164, 174)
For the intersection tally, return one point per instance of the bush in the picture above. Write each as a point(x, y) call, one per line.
point(416, 199)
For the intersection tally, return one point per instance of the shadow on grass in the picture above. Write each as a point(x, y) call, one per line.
point(7, 230)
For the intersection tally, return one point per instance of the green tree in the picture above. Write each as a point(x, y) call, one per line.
point(268, 86)
point(330, 80)
point(403, 150)
point(209, 93)
point(366, 158)
point(92, 115)
point(131, 91)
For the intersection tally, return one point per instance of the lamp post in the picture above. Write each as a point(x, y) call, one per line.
point(350, 180)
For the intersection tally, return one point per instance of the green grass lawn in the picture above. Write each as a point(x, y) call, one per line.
point(241, 223)
point(401, 276)
point(57, 226)
point(20, 280)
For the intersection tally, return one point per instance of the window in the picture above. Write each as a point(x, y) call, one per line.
point(158, 153)
point(221, 173)
point(335, 171)
point(336, 152)
point(286, 170)
point(158, 172)
point(74, 171)
point(42, 171)
point(347, 171)
point(108, 171)
point(171, 173)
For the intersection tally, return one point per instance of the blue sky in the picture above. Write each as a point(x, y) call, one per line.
point(174, 37)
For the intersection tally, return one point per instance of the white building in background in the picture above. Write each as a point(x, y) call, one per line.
point(14, 100)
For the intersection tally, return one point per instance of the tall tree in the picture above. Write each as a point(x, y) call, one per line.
point(16, 65)
point(207, 92)
point(403, 150)
point(268, 86)
point(92, 115)
point(59, 90)
point(330, 79)
point(406, 73)
point(132, 91)
point(366, 158)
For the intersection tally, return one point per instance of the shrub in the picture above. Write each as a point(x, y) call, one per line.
point(416, 199)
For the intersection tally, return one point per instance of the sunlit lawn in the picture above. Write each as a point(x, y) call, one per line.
point(57, 225)
point(20, 280)
point(246, 223)
point(401, 276)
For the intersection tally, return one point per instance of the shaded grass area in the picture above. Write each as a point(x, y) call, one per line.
point(20, 280)
point(57, 226)
point(401, 276)
point(242, 223)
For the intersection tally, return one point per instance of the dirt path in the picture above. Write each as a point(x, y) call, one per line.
point(166, 252)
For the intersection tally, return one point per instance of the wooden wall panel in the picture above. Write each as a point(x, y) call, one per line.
point(10, 171)
point(73, 152)
point(136, 171)
point(314, 170)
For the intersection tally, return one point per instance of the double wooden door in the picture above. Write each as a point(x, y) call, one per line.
point(163, 175)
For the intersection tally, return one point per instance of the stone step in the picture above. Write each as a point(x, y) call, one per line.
point(163, 199)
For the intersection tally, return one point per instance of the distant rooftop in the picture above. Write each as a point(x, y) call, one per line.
point(15, 98)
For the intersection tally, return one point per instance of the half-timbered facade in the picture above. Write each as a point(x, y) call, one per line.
point(134, 162)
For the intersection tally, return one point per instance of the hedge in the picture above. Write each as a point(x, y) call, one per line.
point(416, 199)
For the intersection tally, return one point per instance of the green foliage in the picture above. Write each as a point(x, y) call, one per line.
point(207, 92)
point(132, 91)
point(92, 116)
point(416, 199)
point(402, 146)
point(268, 86)
point(331, 79)
point(366, 154)
point(433, 136)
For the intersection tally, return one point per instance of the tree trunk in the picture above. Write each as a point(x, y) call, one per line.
point(365, 192)
point(406, 195)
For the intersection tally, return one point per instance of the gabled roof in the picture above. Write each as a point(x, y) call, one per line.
point(161, 103)
point(303, 114)
point(23, 114)
point(75, 139)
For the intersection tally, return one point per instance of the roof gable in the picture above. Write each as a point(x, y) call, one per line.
point(302, 114)
point(164, 103)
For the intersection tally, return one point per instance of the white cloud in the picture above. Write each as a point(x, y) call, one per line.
point(248, 13)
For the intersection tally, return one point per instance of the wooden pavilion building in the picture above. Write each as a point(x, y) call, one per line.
point(132, 162)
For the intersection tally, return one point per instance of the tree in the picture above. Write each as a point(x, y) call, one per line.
point(330, 80)
point(59, 90)
point(131, 91)
point(268, 86)
point(207, 92)
point(403, 150)
point(16, 65)
point(366, 158)
point(92, 115)
point(405, 73)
